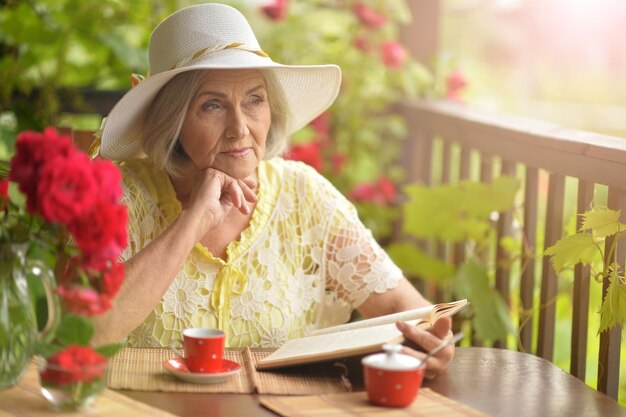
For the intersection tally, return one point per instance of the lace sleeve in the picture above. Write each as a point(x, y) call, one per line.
point(356, 264)
point(141, 217)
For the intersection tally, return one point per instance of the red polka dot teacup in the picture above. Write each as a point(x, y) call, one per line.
point(204, 349)
point(392, 379)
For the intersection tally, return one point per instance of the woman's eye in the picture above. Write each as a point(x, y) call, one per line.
point(256, 100)
point(210, 105)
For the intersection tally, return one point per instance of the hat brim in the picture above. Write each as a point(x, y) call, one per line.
point(308, 89)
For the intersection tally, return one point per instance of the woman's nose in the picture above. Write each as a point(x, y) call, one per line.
point(237, 125)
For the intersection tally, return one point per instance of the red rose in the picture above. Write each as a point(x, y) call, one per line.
point(108, 178)
point(455, 83)
point(32, 151)
point(309, 153)
point(393, 54)
point(67, 189)
point(381, 192)
point(362, 43)
point(74, 364)
point(4, 192)
point(112, 280)
point(83, 301)
point(364, 192)
point(387, 189)
point(367, 16)
point(101, 234)
point(320, 124)
point(276, 10)
point(338, 160)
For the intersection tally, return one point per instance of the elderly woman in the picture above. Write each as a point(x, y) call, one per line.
point(223, 232)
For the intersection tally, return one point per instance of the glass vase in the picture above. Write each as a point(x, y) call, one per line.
point(72, 388)
point(18, 323)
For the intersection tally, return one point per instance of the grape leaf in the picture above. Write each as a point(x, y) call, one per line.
point(602, 221)
point(573, 249)
point(613, 310)
point(491, 315)
point(411, 260)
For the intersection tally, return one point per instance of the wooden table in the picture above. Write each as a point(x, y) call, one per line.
point(495, 381)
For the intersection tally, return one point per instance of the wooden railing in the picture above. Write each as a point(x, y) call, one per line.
point(533, 151)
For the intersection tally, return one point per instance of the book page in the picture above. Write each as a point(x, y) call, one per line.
point(429, 313)
point(344, 344)
point(416, 313)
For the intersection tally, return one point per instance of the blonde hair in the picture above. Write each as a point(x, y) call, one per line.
point(164, 119)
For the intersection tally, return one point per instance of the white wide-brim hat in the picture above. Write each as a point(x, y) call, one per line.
point(212, 36)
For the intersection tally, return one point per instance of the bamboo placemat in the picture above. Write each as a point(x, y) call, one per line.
point(322, 378)
point(427, 404)
point(142, 370)
point(26, 400)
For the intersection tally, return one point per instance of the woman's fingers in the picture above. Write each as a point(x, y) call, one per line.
point(429, 340)
point(247, 186)
point(237, 195)
point(426, 340)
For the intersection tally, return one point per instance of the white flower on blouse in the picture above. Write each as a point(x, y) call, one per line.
point(379, 278)
point(269, 254)
point(284, 206)
point(250, 302)
point(182, 298)
point(274, 337)
point(301, 292)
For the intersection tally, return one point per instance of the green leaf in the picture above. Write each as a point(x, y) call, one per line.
point(573, 249)
point(602, 221)
point(491, 315)
point(415, 262)
point(75, 330)
point(47, 349)
point(109, 350)
point(613, 310)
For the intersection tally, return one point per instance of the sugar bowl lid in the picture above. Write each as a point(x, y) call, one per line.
point(392, 360)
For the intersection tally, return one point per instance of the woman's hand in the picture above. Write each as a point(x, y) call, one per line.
point(428, 340)
point(214, 193)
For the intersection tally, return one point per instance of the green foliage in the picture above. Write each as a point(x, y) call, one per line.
point(458, 213)
point(573, 249)
point(491, 314)
point(67, 43)
point(602, 222)
point(109, 350)
point(413, 261)
point(584, 247)
point(613, 311)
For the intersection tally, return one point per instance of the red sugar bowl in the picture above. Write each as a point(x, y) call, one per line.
point(392, 379)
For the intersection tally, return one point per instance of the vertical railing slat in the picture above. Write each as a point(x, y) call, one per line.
point(458, 254)
point(580, 312)
point(554, 230)
point(442, 247)
point(503, 228)
point(529, 249)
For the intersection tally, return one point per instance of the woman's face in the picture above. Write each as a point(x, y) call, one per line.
point(227, 122)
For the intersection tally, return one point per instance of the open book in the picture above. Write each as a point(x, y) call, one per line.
point(357, 338)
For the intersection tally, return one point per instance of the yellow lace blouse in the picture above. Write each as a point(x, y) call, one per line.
point(304, 262)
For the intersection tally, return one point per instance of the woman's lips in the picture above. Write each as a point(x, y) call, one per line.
point(238, 153)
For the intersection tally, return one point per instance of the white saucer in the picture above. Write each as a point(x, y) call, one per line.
point(177, 367)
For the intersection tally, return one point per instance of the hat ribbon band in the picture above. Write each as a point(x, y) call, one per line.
point(217, 48)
